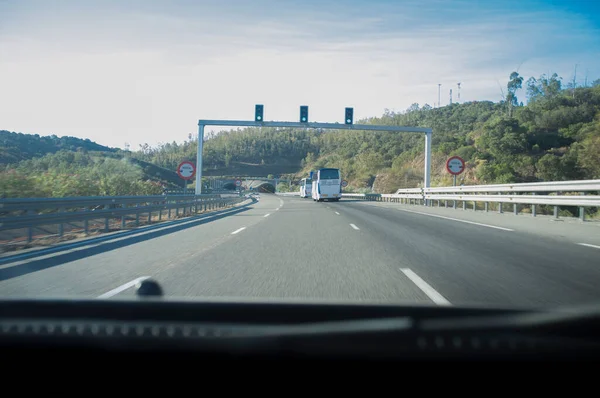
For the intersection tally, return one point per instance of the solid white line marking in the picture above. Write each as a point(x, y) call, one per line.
point(457, 219)
point(588, 245)
point(267, 215)
point(337, 213)
point(425, 287)
point(238, 230)
point(354, 226)
point(123, 287)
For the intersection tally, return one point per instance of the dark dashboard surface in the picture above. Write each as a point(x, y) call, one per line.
point(290, 330)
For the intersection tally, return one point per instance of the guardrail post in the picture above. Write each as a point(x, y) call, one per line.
point(474, 206)
point(487, 206)
point(533, 208)
point(555, 211)
point(30, 229)
point(500, 209)
point(464, 205)
point(61, 226)
point(515, 209)
point(582, 210)
point(106, 220)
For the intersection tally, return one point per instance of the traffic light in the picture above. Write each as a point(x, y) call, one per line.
point(304, 114)
point(349, 115)
point(258, 113)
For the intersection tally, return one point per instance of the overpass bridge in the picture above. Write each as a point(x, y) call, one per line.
point(261, 184)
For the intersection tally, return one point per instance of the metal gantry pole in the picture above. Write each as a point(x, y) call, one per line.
point(427, 171)
point(199, 159)
point(427, 178)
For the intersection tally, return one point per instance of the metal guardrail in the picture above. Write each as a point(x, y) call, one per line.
point(543, 193)
point(554, 186)
point(29, 213)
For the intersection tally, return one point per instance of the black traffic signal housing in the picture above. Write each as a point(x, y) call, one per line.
point(258, 113)
point(349, 116)
point(304, 114)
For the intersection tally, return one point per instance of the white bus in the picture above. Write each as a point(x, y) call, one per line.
point(305, 187)
point(327, 185)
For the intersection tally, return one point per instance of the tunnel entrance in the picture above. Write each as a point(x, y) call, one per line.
point(266, 188)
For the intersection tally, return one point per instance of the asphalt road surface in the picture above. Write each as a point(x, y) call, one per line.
point(288, 247)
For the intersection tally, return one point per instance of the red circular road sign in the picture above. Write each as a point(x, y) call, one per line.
point(186, 170)
point(238, 183)
point(455, 165)
point(344, 183)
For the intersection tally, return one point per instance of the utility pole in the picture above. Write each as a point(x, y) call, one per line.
point(574, 80)
point(458, 100)
point(450, 96)
point(439, 95)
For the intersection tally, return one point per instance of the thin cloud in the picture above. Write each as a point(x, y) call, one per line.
point(138, 72)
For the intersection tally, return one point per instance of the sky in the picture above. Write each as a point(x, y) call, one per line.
point(145, 71)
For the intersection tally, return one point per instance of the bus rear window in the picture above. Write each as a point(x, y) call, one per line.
point(308, 182)
point(329, 174)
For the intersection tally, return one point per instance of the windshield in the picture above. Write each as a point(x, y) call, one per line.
point(329, 174)
point(457, 149)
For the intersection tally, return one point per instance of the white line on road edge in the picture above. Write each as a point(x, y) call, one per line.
point(123, 287)
point(267, 215)
point(425, 287)
point(238, 230)
point(588, 245)
point(457, 219)
point(354, 226)
point(337, 213)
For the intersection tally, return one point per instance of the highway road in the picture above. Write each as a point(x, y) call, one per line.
point(288, 247)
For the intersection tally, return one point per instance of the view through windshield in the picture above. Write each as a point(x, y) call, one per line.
point(450, 150)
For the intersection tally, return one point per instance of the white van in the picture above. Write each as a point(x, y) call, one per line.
point(327, 185)
point(305, 187)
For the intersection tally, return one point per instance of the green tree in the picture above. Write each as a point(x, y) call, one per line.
point(515, 82)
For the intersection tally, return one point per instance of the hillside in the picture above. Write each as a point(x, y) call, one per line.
point(68, 166)
point(15, 147)
point(556, 136)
